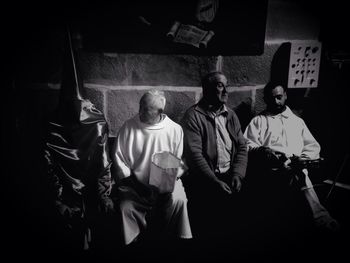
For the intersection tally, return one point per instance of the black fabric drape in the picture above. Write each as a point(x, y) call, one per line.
point(76, 154)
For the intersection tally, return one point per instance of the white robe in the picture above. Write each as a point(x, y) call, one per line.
point(284, 132)
point(136, 143)
point(287, 133)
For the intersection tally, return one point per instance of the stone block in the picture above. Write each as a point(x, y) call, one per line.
point(249, 70)
point(241, 101)
point(239, 96)
point(169, 70)
point(259, 104)
point(121, 105)
point(174, 70)
point(96, 96)
point(178, 103)
point(145, 69)
point(102, 69)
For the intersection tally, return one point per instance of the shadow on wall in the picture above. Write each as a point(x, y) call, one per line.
point(244, 112)
point(253, 105)
point(280, 64)
point(298, 98)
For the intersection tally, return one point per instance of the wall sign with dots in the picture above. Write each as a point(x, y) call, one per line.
point(304, 64)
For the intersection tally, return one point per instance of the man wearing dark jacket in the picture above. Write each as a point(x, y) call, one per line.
point(216, 154)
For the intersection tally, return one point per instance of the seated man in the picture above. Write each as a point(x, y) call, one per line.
point(216, 154)
point(277, 140)
point(147, 133)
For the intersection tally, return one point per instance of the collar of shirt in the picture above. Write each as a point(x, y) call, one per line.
point(222, 111)
point(202, 107)
point(285, 114)
point(157, 126)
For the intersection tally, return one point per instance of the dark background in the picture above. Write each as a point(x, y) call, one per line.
point(33, 25)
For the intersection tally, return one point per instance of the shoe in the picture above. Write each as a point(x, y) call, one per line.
point(328, 224)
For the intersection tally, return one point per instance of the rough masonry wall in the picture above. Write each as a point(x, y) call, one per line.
point(115, 82)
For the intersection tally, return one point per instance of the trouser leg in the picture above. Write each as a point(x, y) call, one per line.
point(321, 216)
point(133, 212)
point(173, 209)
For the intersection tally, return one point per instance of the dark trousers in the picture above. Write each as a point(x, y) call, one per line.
point(213, 212)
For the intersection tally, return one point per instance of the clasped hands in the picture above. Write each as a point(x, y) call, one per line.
point(236, 185)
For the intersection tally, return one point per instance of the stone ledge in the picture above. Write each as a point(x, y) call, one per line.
point(120, 103)
point(118, 111)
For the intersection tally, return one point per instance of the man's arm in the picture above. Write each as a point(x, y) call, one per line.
point(193, 148)
point(241, 158)
point(120, 164)
point(252, 134)
point(312, 148)
point(257, 150)
point(179, 143)
point(179, 153)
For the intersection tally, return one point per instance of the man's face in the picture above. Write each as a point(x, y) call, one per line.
point(277, 101)
point(216, 92)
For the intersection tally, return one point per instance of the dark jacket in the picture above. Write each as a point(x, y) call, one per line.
point(200, 149)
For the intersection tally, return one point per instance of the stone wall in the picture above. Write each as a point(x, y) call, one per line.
point(115, 82)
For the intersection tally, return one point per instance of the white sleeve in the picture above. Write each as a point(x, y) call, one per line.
point(179, 151)
point(312, 148)
point(253, 133)
point(180, 144)
point(120, 160)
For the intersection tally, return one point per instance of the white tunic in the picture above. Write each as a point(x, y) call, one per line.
point(137, 141)
point(284, 132)
point(135, 145)
point(287, 133)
